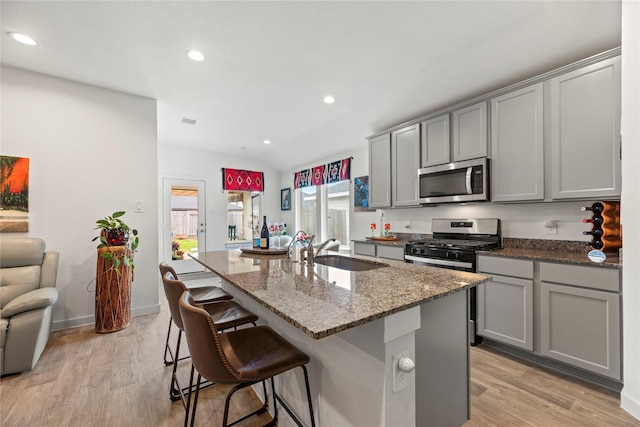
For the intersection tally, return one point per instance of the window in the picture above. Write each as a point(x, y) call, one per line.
point(324, 211)
point(243, 214)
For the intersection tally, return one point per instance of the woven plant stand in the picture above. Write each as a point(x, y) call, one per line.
point(113, 292)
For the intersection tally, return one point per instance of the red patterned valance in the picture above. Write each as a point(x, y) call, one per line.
point(324, 174)
point(241, 180)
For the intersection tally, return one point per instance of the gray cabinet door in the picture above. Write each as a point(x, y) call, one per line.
point(517, 145)
point(581, 327)
point(368, 249)
point(470, 132)
point(585, 132)
point(505, 311)
point(390, 252)
point(380, 171)
point(405, 162)
point(436, 142)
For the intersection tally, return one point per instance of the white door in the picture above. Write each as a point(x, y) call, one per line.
point(183, 223)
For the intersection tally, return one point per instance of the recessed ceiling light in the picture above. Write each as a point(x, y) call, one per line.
point(266, 141)
point(195, 55)
point(329, 99)
point(23, 38)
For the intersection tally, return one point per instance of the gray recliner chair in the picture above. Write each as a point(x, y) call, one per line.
point(27, 294)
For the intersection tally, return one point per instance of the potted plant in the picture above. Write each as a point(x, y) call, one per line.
point(115, 232)
point(114, 275)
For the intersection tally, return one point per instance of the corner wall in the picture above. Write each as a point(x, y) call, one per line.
point(630, 395)
point(92, 152)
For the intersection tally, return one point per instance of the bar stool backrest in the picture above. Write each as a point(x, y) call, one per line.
point(206, 345)
point(164, 268)
point(173, 289)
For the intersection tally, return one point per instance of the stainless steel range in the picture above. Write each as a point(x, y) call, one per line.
point(453, 246)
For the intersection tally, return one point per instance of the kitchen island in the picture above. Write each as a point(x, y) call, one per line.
point(356, 325)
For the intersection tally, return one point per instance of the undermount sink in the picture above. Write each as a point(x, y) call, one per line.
point(346, 263)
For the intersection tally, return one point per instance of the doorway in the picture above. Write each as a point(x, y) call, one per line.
point(183, 223)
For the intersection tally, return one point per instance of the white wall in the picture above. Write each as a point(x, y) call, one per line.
point(92, 152)
point(630, 396)
point(178, 163)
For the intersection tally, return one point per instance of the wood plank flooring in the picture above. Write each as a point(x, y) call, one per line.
point(119, 379)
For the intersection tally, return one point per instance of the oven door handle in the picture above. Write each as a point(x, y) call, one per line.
point(468, 180)
point(438, 262)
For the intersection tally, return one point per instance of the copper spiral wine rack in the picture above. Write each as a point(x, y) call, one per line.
point(605, 226)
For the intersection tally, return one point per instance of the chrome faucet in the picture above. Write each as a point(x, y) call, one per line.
point(310, 249)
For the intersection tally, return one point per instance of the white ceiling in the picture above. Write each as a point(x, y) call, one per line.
point(269, 64)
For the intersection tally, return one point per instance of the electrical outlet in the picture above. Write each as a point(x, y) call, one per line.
point(403, 370)
point(138, 206)
point(551, 226)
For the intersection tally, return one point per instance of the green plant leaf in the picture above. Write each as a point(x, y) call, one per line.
point(118, 214)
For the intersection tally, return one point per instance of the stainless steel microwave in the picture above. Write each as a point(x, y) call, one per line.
point(464, 181)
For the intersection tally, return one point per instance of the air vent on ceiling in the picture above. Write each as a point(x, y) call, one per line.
point(188, 121)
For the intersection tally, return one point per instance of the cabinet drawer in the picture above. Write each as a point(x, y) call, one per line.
point(368, 249)
point(390, 252)
point(505, 266)
point(605, 279)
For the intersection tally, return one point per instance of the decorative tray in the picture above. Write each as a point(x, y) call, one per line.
point(260, 251)
point(388, 238)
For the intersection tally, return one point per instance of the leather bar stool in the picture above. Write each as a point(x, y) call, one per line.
point(224, 314)
point(243, 357)
point(201, 295)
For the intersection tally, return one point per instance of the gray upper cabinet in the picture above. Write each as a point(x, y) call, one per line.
point(436, 142)
point(585, 132)
point(470, 132)
point(380, 171)
point(517, 145)
point(405, 162)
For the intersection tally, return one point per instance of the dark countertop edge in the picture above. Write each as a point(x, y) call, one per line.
point(560, 257)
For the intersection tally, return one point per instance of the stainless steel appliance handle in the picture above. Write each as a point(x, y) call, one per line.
point(438, 262)
point(469, 189)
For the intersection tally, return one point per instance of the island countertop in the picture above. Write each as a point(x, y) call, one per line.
point(321, 300)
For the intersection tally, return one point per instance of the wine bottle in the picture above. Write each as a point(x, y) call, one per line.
point(596, 220)
point(595, 232)
point(596, 208)
point(596, 244)
point(264, 234)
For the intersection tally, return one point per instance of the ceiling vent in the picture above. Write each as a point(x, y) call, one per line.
point(188, 121)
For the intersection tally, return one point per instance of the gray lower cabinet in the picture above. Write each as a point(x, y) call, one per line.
point(505, 303)
point(565, 312)
point(390, 252)
point(580, 317)
point(379, 250)
point(367, 249)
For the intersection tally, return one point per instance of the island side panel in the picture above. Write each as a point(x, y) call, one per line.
point(346, 373)
point(442, 362)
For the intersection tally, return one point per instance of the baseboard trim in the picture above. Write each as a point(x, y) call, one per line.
point(629, 404)
point(59, 325)
point(554, 365)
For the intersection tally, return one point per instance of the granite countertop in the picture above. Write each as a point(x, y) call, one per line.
point(322, 300)
point(553, 251)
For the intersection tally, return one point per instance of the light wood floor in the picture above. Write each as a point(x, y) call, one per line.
point(119, 379)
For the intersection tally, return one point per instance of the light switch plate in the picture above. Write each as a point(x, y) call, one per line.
point(138, 206)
